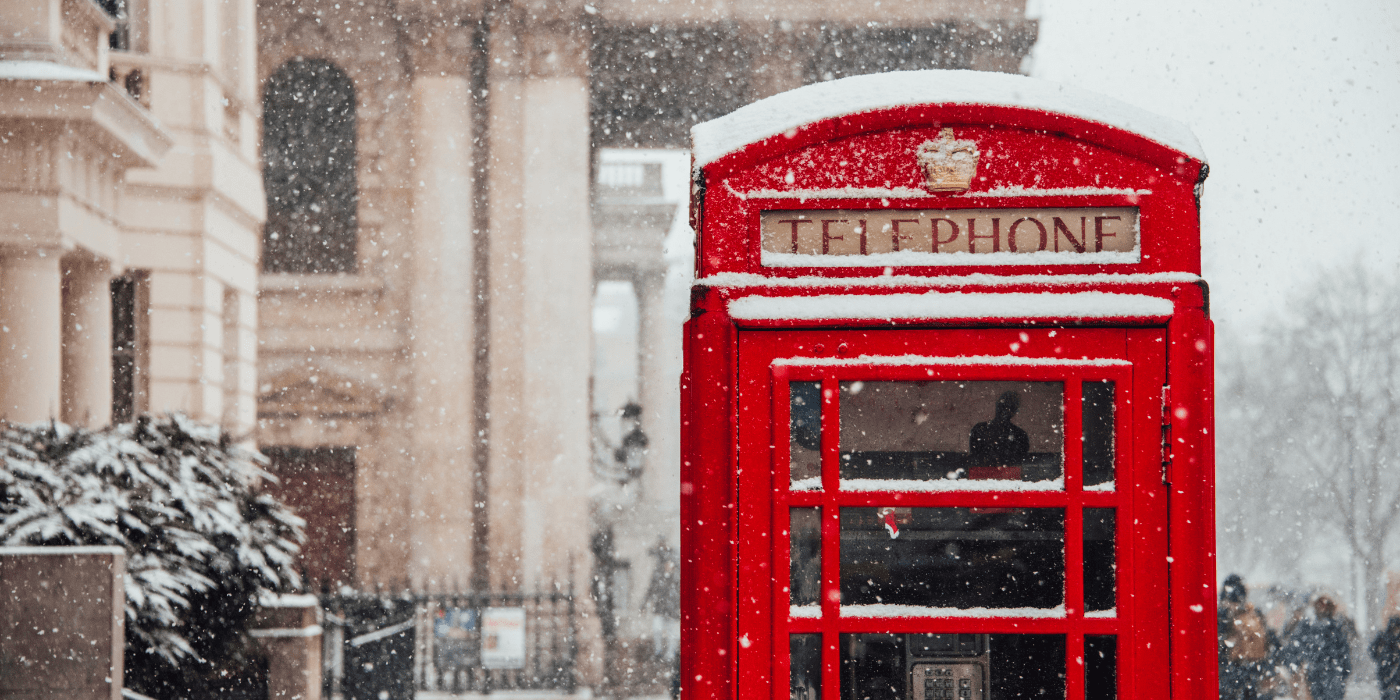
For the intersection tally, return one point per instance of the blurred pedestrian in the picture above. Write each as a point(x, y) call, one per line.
point(663, 600)
point(1385, 649)
point(1323, 646)
point(1246, 643)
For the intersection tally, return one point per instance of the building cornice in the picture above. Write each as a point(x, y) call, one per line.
point(41, 91)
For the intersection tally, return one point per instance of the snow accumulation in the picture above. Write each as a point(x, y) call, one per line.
point(44, 70)
point(962, 360)
point(287, 600)
point(1110, 613)
point(888, 610)
point(750, 279)
point(911, 258)
point(940, 485)
point(27, 551)
point(787, 111)
point(950, 305)
point(834, 193)
point(1018, 191)
point(805, 611)
point(810, 484)
point(912, 193)
point(1105, 486)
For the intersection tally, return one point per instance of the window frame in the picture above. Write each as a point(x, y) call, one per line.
point(1134, 359)
point(336, 242)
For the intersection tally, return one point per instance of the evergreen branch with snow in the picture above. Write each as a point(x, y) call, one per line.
point(182, 498)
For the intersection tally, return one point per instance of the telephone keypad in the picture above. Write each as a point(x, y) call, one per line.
point(953, 680)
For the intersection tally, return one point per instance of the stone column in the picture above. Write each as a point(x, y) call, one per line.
point(87, 341)
point(506, 79)
point(659, 350)
point(441, 309)
point(780, 49)
point(541, 281)
point(31, 335)
point(541, 306)
point(288, 630)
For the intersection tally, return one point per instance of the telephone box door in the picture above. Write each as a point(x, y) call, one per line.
point(958, 513)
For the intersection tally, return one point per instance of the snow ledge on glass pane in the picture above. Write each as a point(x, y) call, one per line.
point(888, 610)
point(936, 485)
point(287, 600)
point(950, 305)
point(787, 111)
point(912, 193)
point(751, 279)
point(1111, 612)
point(1105, 486)
point(963, 361)
point(38, 550)
point(917, 258)
point(805, 611)
point(47, 71)
point(809, 484)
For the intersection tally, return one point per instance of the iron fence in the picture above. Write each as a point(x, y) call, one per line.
point(381, 646)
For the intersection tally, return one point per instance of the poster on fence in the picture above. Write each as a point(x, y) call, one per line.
point(454, 623)
point(503, 638)
point(454, 631)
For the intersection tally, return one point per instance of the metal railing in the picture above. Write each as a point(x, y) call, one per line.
point(380, 645)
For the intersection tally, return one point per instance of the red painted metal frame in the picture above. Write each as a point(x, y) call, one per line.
point(1070, 499)
point(1053, 155)
point(761, 489)
point(734, 546)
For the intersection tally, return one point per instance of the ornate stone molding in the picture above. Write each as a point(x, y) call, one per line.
point(301, 392)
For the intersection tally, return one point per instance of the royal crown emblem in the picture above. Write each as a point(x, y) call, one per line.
point(948, 164)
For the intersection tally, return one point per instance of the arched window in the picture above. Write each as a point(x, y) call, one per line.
point(309, 169)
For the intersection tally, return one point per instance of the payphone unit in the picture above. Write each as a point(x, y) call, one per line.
point(948, 667)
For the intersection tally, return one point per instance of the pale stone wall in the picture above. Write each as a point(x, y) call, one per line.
point(476, 129)
point(194, 221)
point(97, 188)
point(441, 317)
point(287, 630)
point(62, 621)
point(342, 361)
point(71, 139)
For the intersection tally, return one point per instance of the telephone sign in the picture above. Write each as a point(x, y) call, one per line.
point(947, 402)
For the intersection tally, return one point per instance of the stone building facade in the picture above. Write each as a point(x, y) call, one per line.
point(408, 335)
point(133, 204)
point(439, 385)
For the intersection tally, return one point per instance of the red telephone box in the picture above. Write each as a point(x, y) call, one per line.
point(947, 402)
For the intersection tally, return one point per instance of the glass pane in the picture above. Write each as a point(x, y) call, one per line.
point(806, 679)
point(1100, 582)
point(953, 557)
point(1098, 434)
point(1100, 667)
point(951, 430)
point(805, 435)
point(806, 527)
point(952, 666)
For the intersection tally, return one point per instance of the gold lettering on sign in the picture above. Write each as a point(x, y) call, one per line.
point(896, 236)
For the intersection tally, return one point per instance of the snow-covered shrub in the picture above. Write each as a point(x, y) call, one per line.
point(182, 498)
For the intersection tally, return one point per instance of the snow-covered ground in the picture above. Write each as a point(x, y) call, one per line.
point(535, 695)
point(1363, 690)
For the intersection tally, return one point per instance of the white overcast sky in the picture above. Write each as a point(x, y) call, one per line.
point(1296, 103)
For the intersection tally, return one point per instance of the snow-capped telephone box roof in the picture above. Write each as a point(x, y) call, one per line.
point(945, 173)
point(795, 109)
